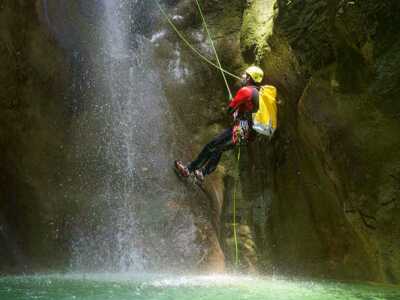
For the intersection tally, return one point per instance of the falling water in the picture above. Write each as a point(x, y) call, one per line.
point(122, 138)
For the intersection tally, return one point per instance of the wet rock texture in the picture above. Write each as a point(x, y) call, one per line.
point(337, 159)
point(32, 131)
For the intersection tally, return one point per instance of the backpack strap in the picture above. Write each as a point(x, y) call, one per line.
point(256, 104)
point(255, 98)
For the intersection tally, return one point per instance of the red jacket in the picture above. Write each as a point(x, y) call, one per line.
point(243, 100)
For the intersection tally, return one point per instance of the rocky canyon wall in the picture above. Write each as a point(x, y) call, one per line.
point(319, 199)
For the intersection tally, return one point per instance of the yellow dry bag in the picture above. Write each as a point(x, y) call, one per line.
point(265, 119)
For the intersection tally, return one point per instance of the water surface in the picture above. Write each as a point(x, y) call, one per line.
point(163, 287)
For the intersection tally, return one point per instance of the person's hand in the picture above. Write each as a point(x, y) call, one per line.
point(235, 115)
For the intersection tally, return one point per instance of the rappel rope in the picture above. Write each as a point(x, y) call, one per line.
point(223, 72)
point(234, 213)
point(213, 46)
point(191, 47)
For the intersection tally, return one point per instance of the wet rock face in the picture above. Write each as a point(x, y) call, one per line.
point(320, 198)
point(31, 138)
point(337, 158)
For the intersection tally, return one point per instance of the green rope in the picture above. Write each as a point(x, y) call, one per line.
point(182, 37)
point(213, 46)
point(234, 214)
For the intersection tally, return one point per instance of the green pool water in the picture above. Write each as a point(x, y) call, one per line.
point(163, 287)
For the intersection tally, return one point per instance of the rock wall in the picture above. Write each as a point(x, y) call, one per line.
point(32, 122)
point(328, 190)
point(320, 199)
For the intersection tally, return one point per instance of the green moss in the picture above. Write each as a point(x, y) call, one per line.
point(257, 27)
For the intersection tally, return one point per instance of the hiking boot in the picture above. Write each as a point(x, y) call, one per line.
point(199, 175)
point(182, 169)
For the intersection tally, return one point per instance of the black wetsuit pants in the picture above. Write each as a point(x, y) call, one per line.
point(210, 156)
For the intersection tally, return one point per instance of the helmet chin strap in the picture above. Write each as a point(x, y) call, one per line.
point(244, 80)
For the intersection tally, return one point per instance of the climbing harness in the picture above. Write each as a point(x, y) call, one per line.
point(241, 133)
point(224, 73)
point(191, 47)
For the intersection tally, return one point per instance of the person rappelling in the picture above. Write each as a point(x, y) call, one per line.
point(253, 109)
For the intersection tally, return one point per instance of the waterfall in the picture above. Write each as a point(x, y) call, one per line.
point(122, 138)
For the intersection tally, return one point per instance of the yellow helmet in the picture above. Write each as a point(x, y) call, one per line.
point(255, 73)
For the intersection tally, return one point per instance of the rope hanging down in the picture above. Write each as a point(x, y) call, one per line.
point(182, 37)
point(234, 214)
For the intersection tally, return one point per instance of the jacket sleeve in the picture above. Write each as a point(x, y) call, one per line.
point(242, 96)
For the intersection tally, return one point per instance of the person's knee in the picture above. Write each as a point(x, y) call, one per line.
point(211, 147)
